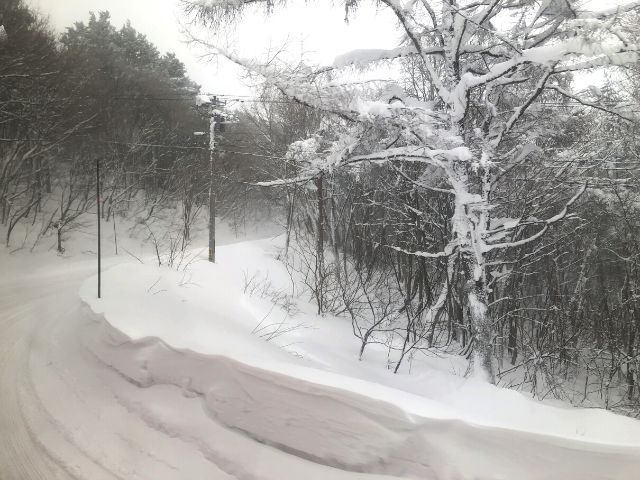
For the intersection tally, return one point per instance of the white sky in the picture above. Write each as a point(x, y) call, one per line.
point(316, 28)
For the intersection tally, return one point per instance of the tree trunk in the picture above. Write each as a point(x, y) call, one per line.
point(483, 329)
point(60, 247)
point(291, 198)
point(320, 244)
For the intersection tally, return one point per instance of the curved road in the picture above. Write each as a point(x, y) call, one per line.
point(59, 417)
point(20, 455)
point(66, 415)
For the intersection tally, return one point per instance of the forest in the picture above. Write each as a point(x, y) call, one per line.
point(483, 202)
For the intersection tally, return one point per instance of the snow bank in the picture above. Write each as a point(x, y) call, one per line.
point(307, 395)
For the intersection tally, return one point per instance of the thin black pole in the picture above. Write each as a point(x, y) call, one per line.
point(98, 211)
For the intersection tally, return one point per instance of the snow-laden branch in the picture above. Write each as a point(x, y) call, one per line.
point(419, 184)
point(436, 157)
point(545, 55)
point(413, 32)
point(609, 12)
point(521, 109)
point(364, 57)
point(546, 225)
point(621, 58)
point(294, 85)
point(284, 181)
point(596, 105)
point(447, 252)
point(487, 13)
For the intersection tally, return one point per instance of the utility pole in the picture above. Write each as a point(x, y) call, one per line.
point(216, 123)
point(212, 193)
point(98, 212)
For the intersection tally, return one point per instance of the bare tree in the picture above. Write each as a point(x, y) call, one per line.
point(492, 84)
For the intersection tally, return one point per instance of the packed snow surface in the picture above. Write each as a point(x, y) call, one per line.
point(265, 388)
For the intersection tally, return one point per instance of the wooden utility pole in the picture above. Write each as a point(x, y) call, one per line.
point(212, 193)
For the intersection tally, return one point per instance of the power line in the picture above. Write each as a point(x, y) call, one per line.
point(152, 145)
point(249, 99)
point(253, 154)
point(155, 145)
point(609, 104)
point(111, 142)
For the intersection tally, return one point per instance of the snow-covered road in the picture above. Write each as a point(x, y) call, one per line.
point(59, 417)
point(63, 414)
point(21, 456)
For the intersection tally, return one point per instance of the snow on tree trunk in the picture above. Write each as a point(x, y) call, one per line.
point(483, 330)
point(320, 274)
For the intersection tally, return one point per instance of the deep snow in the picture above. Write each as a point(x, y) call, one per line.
point(190, 338)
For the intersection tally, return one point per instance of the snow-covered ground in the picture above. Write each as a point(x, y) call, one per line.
point(225, 371)
point(272, 391)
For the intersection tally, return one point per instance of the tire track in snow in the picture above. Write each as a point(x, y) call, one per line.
point(37, 321)
point(141, 452)
point(20, 455)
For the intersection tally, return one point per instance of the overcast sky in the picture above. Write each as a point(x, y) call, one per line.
point(315, 28)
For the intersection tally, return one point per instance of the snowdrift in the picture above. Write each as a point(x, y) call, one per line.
point(315, 411)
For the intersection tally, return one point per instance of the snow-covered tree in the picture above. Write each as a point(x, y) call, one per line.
point(495, 70)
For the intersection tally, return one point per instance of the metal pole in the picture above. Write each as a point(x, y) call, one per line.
point(212, 195)
point(98, 212)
